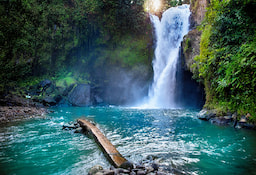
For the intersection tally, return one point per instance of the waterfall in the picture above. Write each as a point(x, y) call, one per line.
point(169, 34)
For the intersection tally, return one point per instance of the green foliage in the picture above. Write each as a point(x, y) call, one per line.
point(187, 45)
point(65, 81)
point(48, 38)
point(227, 56)
point(31, 81)
point(174, 3)
point(129, 52)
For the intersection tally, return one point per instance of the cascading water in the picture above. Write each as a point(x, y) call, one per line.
point(169, 34)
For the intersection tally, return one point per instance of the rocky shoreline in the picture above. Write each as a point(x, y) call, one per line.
point(131, 169)
point(17, 113)
point(229, 119)
point(145, 167)
point(16, 108)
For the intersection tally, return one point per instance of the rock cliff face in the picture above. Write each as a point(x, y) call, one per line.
point(191, 42)
point(191, 47)
point(198, 10)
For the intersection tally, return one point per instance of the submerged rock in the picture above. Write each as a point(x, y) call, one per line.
point(65, 127)
point(73, 126)
point(79, 130)
point(155, 166)
point(177, 171)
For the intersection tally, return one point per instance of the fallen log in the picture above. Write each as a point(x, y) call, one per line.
point(115, 158)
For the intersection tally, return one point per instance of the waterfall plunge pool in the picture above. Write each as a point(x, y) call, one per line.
point(174, 137)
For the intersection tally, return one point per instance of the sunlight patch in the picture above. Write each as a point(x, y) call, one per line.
point(153, 6)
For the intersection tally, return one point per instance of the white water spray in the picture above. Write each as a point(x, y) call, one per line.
point(169, 34)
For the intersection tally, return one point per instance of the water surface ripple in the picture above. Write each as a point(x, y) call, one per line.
point(175, 138)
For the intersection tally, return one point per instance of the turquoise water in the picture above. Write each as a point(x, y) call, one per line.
point(175, 138)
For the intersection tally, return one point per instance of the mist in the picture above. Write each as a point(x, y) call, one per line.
point(124, 86)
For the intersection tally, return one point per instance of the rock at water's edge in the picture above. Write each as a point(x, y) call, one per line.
point(127, 165)
point(95, 169)
point(80, 95)
point(221, 120)
point(49, 101)
point(210, 115)
point(206, 114)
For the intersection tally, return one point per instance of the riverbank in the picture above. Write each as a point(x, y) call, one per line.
point(16, 113)
point(228, 119)
point(15, 108)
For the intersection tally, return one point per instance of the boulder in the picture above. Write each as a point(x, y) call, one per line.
point(33, 90)
point(120, 170)
point(132, 173)
point(150, 169)
point(139, 166)
point(49, 101)
point(45, 83)
point(155, 166)
point(100, 173)
point(108, 172)
point(141, 172)
point(206, 114)
point(95, 169)
point(68, 127)
point(67, 90)
point(244, 123)
point(49, 90)
point(247, 125)
point(221, 120)
point(243, 119)
point(58, 98)
point(80, 95)
point(127, 165)
point(79, 130)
